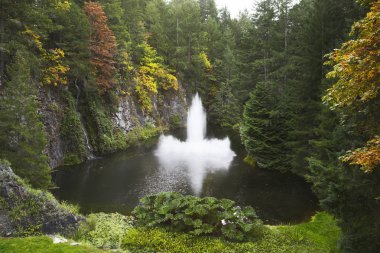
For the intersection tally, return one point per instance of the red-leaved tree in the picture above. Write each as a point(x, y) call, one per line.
point(102, 46)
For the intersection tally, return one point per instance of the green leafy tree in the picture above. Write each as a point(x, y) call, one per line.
point(152, 75)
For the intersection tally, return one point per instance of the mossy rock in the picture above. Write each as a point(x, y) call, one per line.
point(32, 211)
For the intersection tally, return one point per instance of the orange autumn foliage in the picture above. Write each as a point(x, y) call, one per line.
point(102, 46)
point(367, 157)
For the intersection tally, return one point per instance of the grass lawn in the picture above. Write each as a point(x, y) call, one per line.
point(41, 244)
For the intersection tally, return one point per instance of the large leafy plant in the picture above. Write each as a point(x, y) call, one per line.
point(199, 216)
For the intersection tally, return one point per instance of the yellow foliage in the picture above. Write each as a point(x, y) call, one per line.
point(204, 60)
point(54, 72)
point(151, 76)
point(63, 5)
point(36, 39)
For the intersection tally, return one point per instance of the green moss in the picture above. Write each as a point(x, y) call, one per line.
point(21, 213)
point(104, 136)
point(72, 159)
point(175, 121)
point(55, 108)
point(72, 134)
point(320, 235)
point(3, 203)
point(5, 163)
point(250, 160)
point(29, 208)
point(41, 244)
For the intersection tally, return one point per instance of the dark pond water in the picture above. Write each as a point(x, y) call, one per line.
point(115, 183)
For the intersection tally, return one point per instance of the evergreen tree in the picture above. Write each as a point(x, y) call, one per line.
point(156, 20)
point(22, 137)
point(265, 127)
point(225, 109)
point(117, 23)
point(263, 132)
point(242, 30)
point(318, 27)
point(74, 39)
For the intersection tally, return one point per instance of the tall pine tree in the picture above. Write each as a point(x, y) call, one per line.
point(22, 136)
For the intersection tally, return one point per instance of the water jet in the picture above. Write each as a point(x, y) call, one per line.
point(197, 155)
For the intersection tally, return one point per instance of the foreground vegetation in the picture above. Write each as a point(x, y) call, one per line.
point(319, 235)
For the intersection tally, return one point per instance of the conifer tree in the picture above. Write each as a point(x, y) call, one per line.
point(22, 137)
point(263, 130)
point(225, 109)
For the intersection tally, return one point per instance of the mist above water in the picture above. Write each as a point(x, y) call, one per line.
point(197, 155)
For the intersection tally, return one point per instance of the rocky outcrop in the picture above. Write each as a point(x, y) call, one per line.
point(168, 110)
point(126, 116)
point(25, 211)
point(7, 227)
point(51, 110)
point(173, 109)
point(59, 106)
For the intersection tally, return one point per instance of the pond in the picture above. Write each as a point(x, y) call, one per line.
point(116, 182)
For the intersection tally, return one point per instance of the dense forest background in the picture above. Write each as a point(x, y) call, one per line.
point(68, 67)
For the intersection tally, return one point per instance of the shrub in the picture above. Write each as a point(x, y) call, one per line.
point(199, 216)
point(105, 230)
point(142, 134)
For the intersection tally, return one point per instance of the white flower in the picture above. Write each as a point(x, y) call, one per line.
point(224, 222)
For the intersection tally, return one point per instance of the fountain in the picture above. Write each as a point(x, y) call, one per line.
point(197, 155)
